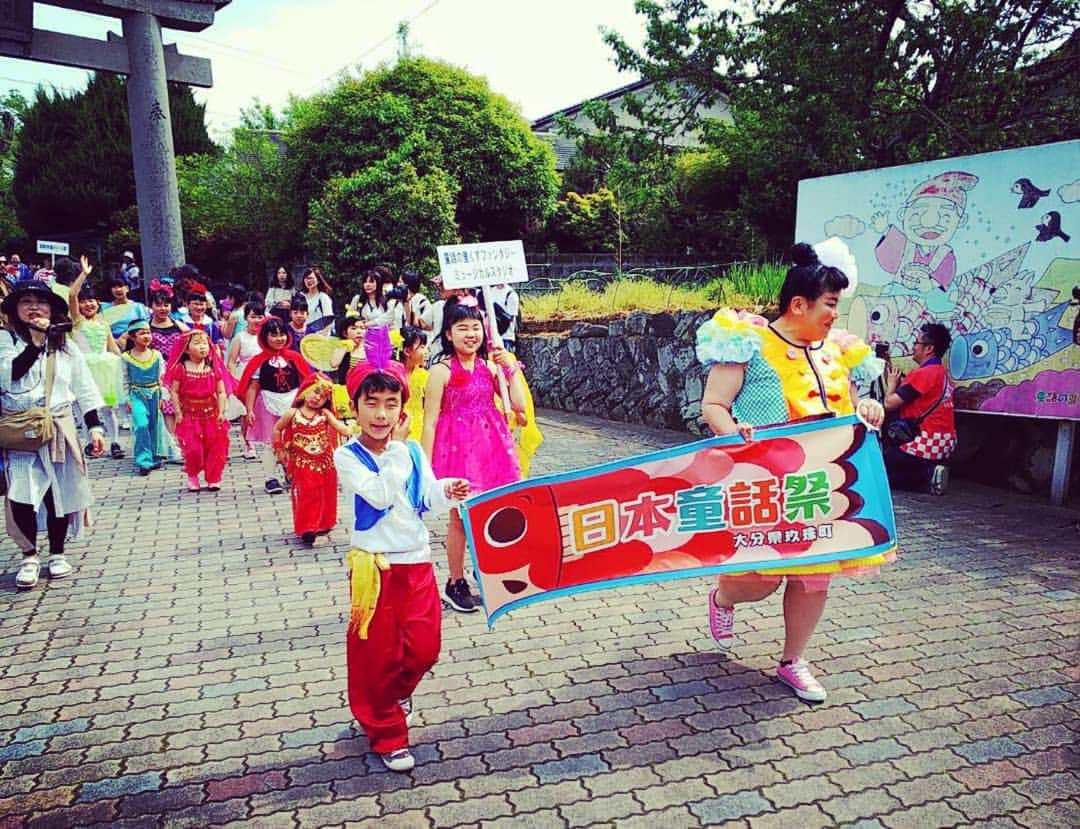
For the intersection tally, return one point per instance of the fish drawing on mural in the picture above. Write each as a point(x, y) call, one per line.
point(894, 319)
point(1029, 193)
point(996, 351)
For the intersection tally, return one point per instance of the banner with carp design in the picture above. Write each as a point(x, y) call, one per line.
point(800, 494)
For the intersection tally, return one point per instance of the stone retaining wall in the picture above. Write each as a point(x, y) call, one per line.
point(641, 369)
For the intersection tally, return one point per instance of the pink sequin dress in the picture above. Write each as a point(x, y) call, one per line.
point(472, 440)
point(203, 438)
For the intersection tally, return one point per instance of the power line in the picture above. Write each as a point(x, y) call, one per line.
point(378, 45)
point(20, 81)
point(262, 57)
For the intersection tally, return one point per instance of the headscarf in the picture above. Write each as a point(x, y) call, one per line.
point(256, 363)
point(314, 381)
point(174, 369)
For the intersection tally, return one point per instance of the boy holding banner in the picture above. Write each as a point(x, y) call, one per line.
point(393, 637)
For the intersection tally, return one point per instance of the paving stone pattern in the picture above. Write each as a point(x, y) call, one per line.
point(192, 673)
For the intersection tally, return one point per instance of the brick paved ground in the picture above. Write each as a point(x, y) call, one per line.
point(192, 673)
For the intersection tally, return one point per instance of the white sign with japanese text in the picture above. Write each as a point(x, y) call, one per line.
point(55, 248)
point(482, 263)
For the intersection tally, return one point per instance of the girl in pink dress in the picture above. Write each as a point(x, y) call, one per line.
point(196, 379)
point(465, 435)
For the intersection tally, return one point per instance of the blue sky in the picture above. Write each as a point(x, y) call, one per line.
point(542, 55)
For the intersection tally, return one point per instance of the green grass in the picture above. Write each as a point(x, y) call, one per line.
point(753, 288)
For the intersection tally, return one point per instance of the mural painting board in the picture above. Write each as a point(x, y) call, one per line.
point(988, 245)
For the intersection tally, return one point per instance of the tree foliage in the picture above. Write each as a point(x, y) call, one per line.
point(388, 212)
point(438, 118)
point(236, 205)
point(73, 168)
point(829, 86)
point(587, 222)
point(12, 107)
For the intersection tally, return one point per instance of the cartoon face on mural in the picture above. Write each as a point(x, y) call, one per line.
point(966, 249)
point(931, 221)
point(918, 252)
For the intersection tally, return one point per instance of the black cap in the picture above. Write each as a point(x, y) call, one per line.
point(32, 286)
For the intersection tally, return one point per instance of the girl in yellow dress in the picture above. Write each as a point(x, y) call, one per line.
point(414, 358)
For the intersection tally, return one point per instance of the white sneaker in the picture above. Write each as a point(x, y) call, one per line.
point(59, 567)
point(28, 573)
point(400, 760)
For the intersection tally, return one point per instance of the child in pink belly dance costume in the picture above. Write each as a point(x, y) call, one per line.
point(196, 378)
point(465, 435)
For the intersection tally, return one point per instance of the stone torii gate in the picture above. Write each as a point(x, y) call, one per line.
point(140, 54)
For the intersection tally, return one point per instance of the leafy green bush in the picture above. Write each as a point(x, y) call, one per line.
point(388, 212)
point(448, 120)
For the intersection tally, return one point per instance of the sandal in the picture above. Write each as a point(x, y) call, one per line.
point(59, 567)
point(29, 573)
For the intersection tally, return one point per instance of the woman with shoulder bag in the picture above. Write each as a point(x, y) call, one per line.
point(41, 377)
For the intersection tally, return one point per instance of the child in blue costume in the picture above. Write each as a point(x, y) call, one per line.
point(144, 367)
point(763, 373)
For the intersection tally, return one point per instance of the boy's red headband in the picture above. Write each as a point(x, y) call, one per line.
point(361, 371)
point(378, 351)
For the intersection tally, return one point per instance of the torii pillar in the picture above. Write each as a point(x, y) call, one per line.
point(140, 54)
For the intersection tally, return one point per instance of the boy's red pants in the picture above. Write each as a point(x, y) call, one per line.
point(403, 643)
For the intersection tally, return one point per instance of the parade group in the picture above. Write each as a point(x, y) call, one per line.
point(408, 406)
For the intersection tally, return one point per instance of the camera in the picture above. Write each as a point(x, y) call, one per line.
point(398, 292)
point(58, 328)
point(881, 351)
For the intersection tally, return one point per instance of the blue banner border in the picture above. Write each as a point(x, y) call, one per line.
point(764, 433)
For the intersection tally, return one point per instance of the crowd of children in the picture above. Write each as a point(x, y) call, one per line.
point(412, 435)
point(404, 436)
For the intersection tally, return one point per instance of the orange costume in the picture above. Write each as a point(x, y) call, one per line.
point(785, 382)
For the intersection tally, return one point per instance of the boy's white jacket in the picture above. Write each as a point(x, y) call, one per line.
point(401, 533)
